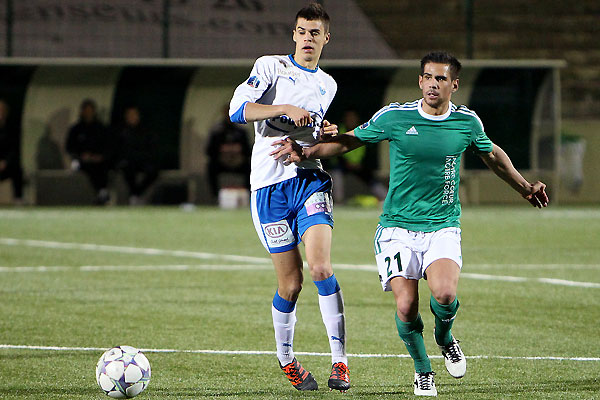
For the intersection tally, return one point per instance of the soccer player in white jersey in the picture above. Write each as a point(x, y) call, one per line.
point(287, 96)
point(418, 235)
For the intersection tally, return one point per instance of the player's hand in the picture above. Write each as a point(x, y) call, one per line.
point(537, 196)
point(327, 131)
point(300, 116)
point(288, 151)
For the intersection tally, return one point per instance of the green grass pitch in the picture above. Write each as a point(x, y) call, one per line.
point(164, 278)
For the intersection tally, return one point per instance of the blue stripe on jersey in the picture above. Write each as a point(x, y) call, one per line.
point(263, 95)
point(300, 66)
point(238, 116)
point(274, 127)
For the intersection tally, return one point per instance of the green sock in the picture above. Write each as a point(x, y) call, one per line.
point(444, 318)
point(411, 334)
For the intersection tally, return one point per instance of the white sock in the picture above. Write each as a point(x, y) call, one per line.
point(332, 311)
point(284, 324)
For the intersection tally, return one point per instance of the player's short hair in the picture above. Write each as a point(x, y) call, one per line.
point(441, 57)
point(314, 12)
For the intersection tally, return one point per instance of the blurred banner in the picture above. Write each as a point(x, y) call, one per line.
point(193, 29)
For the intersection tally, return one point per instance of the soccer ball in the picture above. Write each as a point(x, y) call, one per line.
point(123, 372)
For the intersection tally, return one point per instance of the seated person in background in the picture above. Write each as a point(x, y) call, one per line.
point(91, 147)
point(228, 151)
point(360, 162)
point(138, 154)
point(10, 166)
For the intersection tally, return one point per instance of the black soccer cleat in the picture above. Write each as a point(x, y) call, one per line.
point(339, 378)
point(300, 378)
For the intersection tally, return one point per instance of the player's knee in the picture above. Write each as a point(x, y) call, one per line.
point(290, 290)
point(320, 271)
point(407, 309)
point(444, 296)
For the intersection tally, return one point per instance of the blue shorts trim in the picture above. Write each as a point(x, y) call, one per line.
point(284, 211)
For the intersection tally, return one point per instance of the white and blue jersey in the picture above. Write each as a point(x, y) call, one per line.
point(276, 80)
point(286, 199)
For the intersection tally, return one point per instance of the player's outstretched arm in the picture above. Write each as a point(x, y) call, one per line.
point(259, 112)
point(499, 162)
point(333, 146)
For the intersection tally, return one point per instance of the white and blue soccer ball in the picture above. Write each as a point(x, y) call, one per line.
point(123, 372)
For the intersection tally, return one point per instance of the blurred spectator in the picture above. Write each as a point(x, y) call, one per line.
point(10, 165)
point(228, 152)
point(91, 147)
point(48, 154)
point(360, 162)
point(138, 154)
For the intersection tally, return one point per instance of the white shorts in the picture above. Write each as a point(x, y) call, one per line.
point(400, 252)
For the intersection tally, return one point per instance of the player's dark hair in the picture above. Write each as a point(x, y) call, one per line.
point(441, 57)
point(314, 12)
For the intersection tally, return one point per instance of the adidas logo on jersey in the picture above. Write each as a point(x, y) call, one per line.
point(412, 131)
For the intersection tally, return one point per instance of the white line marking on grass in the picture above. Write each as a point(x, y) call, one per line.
point(305, 353)
point(551, 281)
point(254, 260)
point(246, 267)
point(98, 268)
point(130, 250)
point(564, 267)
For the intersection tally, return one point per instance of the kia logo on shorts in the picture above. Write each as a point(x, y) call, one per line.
point(276, 230)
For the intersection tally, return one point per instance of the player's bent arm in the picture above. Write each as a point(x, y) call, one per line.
point(333, 146)
point(258, 112)
point(499, 162)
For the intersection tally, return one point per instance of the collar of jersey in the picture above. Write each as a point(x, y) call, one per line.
point(434, 117)
point(291, 57)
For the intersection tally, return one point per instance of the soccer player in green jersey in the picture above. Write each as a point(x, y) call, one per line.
point(418, 235)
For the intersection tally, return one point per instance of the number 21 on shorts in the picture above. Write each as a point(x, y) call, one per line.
point(393, 263)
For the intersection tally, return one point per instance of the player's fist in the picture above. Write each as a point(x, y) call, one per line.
point(537, 195)
point(327, 131)
point(300, 116)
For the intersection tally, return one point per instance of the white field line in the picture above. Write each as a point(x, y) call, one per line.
point(225, 257)
point(177, 267)
point(551, 281)
point(130, 250)
point(305, 353)
point(249, 267)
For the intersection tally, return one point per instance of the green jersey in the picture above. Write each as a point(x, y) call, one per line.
point(425, 153)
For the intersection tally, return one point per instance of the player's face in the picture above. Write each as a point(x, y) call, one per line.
point(437, 86)
point(310, 37)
